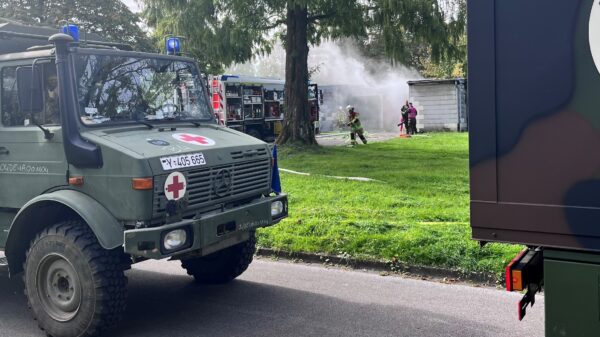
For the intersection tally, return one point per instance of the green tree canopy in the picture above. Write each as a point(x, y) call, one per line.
point(225, 31)
point(110, 19)
point(418, 44)
point(212, 37)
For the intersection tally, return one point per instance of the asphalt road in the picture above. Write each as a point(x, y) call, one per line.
point(286, 299)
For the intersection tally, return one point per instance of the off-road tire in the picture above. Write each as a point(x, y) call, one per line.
point(224, 265)
point(67, 257)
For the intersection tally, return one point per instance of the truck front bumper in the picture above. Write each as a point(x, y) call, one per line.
point(207, 233)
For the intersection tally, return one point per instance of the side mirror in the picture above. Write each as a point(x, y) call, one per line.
point(29, 86)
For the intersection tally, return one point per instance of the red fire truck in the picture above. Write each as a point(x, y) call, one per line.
point(255, 105)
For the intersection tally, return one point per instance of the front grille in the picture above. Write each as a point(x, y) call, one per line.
point(260, 152)
point(205, 185)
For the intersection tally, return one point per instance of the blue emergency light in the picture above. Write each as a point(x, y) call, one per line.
point(72, 30)
point(173, 46)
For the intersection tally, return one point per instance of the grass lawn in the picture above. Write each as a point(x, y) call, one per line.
point(416, 212)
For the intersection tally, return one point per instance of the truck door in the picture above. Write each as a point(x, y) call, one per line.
point(30, 162)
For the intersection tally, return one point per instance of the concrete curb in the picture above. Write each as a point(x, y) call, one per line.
point(329, 135)
point(384, 267)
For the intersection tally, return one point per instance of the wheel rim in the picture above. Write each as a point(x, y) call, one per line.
point(59, 287)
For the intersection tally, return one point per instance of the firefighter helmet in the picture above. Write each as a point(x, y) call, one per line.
point(349, 108)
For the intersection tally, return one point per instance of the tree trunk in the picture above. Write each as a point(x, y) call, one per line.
point(297, 127)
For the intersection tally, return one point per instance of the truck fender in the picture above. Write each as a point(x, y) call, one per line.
point(48, 209)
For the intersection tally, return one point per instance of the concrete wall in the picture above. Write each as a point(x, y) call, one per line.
point(441, 105)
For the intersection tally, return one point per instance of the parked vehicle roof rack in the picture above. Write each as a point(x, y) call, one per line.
point(18, 38)
point(40, 47)
point(94, 44)
point(8, 34)
point(91, 43)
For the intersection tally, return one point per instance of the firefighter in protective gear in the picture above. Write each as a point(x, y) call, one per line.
point(404, 117)
point(355, 126)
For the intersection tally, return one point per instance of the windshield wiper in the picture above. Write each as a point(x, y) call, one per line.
point(150, 126)
point(199, 124)
point(196, 124)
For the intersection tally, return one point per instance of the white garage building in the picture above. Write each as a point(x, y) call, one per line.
point(441, 104)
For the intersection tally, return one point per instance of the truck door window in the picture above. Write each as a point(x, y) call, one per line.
point(51, 109)
point(11, 111)
point(11, 115)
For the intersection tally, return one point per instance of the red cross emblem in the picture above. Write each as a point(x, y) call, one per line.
point(197, 139)
point(175, 186)
point(194, 139)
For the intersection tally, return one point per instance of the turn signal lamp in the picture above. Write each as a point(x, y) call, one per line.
point(173, 46)
point(526, 272)
point(142, 184)
point(517, 280)
point(72, 30)
point(76, 181)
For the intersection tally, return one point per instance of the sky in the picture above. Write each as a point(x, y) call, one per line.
point(133, 5)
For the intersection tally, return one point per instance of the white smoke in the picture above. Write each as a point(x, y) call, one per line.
point(376, 88)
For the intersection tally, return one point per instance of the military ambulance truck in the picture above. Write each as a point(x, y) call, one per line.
point(534, 79)
point(109, 157)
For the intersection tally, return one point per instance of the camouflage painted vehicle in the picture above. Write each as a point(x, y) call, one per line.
point(109, 157)
point(534, 120)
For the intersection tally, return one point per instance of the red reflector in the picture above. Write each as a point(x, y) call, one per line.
point(215, 83)
point(508, 276)
point(520, 310)
point(508, 270)
point(216, 100)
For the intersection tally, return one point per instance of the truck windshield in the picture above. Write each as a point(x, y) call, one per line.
point(114, 89)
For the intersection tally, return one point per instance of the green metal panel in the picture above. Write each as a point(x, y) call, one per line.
point(6, 218)
point(569, 255)
point(107, 229)
point(32, 166)
point(127, 154)
point(572, 297)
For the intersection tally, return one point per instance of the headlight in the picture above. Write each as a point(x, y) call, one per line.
point(175, 239)
point(276, 208)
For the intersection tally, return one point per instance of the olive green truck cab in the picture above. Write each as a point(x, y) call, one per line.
point(109, 157)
